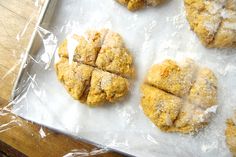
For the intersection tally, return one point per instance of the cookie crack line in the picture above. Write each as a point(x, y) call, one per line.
point(183, 98)
point(194, 80)
point(92, 81)
point(163, 90)
point(168, 92)
point(218, 28)
point(103, 70)
point(217, 31)
point(101, 46)
point(84, 95)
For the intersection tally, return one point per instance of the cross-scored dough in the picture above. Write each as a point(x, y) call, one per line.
point(214, 21)
point(133, 5)
point(179, 97)
point(96, 72)
point(230, 134)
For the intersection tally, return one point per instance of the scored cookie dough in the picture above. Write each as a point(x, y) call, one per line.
point(214, 21)
point(179, 97)
point(133, 5)
point(230, 134)
point(95, 68)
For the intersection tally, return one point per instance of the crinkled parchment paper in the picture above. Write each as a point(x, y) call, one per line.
point(152, 35)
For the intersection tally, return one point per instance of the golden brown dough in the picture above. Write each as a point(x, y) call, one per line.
point(133, 5)
point(98, 70)
point(85, 52)
point(114, 57)
point(162, 108)
point(62, 50)
point(177, 96)
point(204, 90)
point(74, 76)
point(214, 21)
point(230, 134)
point(173, 78)
point(96, 37)
point(106, 87)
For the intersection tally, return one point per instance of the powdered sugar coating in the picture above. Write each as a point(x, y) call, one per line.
point(179, 97)
point(214, 21)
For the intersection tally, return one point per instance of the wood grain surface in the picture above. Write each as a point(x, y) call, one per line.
point(19, 137)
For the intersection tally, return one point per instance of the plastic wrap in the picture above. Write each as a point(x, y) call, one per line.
point(151, 35)
point(16, 26)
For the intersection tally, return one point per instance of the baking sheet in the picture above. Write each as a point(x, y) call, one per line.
point(152, 35)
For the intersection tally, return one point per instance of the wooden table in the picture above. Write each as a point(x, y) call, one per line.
point(19, 137)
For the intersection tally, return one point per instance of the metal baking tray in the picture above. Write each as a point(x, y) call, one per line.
point(173, 39)
point(33, 46)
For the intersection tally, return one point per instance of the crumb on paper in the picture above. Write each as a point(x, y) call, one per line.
point(42, 133)
point(133, 5)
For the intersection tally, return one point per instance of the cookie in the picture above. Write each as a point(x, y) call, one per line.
point(179, 97)
point(230, 134)
point(95, 68)
point(214, 21)
point(133, 5)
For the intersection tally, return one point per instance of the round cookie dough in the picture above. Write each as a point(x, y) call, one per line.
point(133, 5)
point(214, 21)
point(179, 97)
point(95, 68)
point(230, 134)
